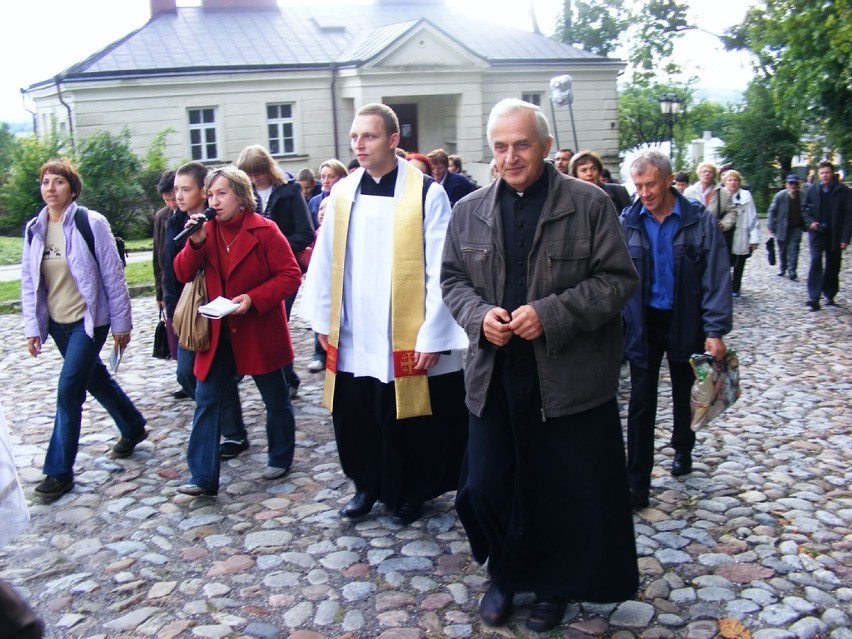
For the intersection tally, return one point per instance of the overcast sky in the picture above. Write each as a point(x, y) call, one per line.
point(39, 38)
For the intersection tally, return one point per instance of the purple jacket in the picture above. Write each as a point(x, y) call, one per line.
point(104, 291)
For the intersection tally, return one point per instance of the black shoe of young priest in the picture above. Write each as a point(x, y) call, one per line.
point(408, 513)
point(681, 464)
point(496, 606)
point(546, 614)
point(361, 504)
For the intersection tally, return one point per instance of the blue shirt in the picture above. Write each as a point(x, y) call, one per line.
point(661, 238)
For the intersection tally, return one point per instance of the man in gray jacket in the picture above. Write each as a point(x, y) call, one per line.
point(785, 223)
point(536, 271)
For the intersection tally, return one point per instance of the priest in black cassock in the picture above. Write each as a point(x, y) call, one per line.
point(536, 271)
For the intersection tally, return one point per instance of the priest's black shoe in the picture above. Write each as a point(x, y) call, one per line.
point(638, 498)
point(682, 464)
point(546, 615)
point(408, 513)
point(358, 506)
point(496, 606)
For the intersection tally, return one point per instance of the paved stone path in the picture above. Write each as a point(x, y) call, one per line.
point(760, 532)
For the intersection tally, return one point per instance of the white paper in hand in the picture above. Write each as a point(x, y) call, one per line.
point(115, 357)
point(218, 308)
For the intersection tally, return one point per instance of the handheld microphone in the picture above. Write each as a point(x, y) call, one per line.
point(209, 214)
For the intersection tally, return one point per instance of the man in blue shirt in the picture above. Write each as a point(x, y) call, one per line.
point(682, 306)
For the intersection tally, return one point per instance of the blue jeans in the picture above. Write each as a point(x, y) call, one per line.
point(788, 251)
point(232, 425)
point(202, 454)
point(82, 370)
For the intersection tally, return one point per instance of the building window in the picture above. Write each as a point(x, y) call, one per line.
point(281, 127)
point(202, 134)
point(532, 98)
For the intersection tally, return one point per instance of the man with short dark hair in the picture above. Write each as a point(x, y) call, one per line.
point(393, 353)
point(682, 306)
point(785, 224)
point(536, 271)
point(455, 184)
point(563, 160)
point(828, 217)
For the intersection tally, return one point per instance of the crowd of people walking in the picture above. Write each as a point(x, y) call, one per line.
point(471, 339)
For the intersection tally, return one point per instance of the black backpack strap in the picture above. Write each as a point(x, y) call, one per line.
point(81, 220)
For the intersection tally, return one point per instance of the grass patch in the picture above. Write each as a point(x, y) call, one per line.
point(137, 274)
point(145, 244)
point(10, 250)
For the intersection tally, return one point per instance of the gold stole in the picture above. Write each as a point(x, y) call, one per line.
point(408, 293)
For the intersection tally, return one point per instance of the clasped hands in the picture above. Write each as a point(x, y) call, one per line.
point(499, 326)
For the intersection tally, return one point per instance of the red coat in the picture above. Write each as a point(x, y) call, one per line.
point(262, 266)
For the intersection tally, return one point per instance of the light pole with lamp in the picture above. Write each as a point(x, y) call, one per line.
point(560, 95)
point(670, 105)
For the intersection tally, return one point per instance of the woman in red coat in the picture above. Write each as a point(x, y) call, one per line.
point(247, 260)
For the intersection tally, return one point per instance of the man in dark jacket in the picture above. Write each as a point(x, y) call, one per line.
point(455, 184)
point(166, 189)
point(682, 306)
point(828, 217)
point(536, 272)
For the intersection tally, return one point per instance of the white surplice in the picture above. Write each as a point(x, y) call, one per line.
point(365, 326)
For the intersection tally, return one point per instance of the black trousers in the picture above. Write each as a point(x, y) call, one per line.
point(825, 281)
point(400, 460)
point(642, 412)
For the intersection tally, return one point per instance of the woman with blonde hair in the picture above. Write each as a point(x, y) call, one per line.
point(247, 260)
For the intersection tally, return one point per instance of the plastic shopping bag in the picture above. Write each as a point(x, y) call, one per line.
point(716, 386)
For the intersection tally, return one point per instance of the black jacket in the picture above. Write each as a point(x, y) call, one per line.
point(837, 219)
point(288, 209)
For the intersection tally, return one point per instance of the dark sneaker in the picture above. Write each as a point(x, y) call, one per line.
point(813, 305)
point(52, 488)
point(230, 448)
point(126, 445)
point(829, 301)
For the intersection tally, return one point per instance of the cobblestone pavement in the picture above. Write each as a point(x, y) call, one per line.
point(761, 531)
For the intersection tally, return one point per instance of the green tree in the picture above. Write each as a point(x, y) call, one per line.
point(759, 145)
point(803, 51)
point(648, 30)
point(595, 27)
point(154, 164)
point(110, 172)
point(20, 196)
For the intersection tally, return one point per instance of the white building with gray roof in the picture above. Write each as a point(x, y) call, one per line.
point(230, 73)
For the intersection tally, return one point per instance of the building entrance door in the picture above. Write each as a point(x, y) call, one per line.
point(407, 114)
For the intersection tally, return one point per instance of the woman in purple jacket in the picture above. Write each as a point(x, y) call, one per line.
point(73, 289)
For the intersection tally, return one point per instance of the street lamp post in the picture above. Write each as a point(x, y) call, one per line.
point(670, 106)
point(561, 94)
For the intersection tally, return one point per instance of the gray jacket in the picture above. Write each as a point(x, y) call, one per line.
point(779, 211)
point(579, 277)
